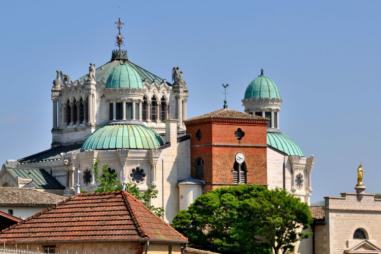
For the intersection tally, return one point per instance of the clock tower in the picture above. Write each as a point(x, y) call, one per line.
point(228, 148)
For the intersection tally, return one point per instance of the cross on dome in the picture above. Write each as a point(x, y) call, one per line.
point(119, 38)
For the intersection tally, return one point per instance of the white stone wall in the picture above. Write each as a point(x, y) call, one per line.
point(348, 213)
point(22, 212)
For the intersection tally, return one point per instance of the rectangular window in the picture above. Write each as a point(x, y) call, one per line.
point(111, 111)
point(119, 110)
point(51, 249)
point(129, 110)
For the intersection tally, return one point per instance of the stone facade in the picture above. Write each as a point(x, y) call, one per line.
point(345, 215)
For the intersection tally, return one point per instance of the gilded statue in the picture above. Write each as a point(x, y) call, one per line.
point(360, 175)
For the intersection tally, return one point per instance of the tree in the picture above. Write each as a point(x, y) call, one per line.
point(109, 181)
point(244, 219)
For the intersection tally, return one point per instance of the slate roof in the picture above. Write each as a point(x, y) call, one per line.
point(115, 216)
point(41, 179)
point(227, 114)
point(18, 197)
point(50, 154)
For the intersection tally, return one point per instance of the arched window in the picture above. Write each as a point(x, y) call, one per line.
point(75, 110)
point(360, 234)
point(68, 112)
point(199, 169)
point(145, 108)
point(163, 109)
point(153, 108)
point(239, 173)
point(81, 111)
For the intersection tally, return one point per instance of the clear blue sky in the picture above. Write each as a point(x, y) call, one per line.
point(324, 56)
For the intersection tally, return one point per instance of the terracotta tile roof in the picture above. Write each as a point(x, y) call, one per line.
point(227, 114)
point(116, 216)
point(10, 217)
point(18, 197)
point(317, 212)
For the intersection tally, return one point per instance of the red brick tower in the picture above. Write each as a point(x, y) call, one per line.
point(228, 147)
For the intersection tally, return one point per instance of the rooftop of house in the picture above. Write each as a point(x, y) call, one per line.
point(18, 197)
point(115, 216)
point(226, 113)
point(318, 213)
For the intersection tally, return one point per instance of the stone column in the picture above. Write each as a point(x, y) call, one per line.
point(133, 111)
point(71, 113)
point(179, 110)
point(185, 109)
point(55, 114)
point(78, 105)
point(158, 112)
point(148, 111)
point(114, 111)
point(140, 111)
point(124, 110)
point(272, 119)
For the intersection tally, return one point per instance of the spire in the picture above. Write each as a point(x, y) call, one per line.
point(225, 86)
point(119, 54)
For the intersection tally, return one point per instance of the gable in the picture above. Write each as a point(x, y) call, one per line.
point(364, 247)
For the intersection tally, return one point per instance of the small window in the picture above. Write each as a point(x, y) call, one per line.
point(239, 133)
point(119, 110)
point(199, 169)
point(198, 134)
point(129, 110)
point(268, 116)
point(137, 175)
point(163, 109)
point(360, 234)
point(111, 111)
point(87, 176)
point(51, 249)
point(145, 109)
point(10, 211)
point(153, 109)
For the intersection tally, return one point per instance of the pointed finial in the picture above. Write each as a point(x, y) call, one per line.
point(225, 86)
point(262, 72)
point(119, 38)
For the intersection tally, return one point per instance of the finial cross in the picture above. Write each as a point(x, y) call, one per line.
point(225, 86)
point(119, 38)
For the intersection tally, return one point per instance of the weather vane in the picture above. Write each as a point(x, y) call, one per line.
point(225, 86)
point(119, 38)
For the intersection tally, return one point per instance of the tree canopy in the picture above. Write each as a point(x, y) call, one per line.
point(245, 219)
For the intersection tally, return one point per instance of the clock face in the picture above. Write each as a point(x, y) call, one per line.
point(239, 158)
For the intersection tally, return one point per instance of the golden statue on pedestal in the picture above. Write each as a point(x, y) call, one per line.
point(360, 175)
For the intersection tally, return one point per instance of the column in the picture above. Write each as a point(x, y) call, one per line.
point(158, 111)
point(114, 111)
point(140, 111)
point(272, 119)
point(148, 111)
point(124, 110)
point(185, 109)
point(55, 117)
point(78, 105)
point(179, 110)
point(71, 113)
point(133, 111)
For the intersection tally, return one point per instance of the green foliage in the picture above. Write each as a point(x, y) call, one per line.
point(245, 219)
point(109, 182)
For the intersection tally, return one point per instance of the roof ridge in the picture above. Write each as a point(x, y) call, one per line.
point(138, 225)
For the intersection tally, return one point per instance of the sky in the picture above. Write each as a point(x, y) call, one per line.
point(323, 55)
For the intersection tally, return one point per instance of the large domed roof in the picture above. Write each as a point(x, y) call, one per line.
point(121, 135)
point(262, 87)
point(283, 143)
point(123, 75)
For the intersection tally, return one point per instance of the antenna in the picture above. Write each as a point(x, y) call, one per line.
point(225, 86)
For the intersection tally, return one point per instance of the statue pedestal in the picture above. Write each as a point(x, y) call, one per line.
point(360, 189)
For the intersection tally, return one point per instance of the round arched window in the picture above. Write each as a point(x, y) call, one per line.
point(360, 234)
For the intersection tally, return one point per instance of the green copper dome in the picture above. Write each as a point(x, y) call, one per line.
point(124, 76)
point(262, 88)
point(123, 136)
point(284, 144)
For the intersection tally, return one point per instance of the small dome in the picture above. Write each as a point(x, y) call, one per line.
point(262, 88)
point(123, 136)
point(124, 76)
point(283, 143)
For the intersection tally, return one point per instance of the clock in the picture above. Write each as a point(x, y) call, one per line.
point(239, 158)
